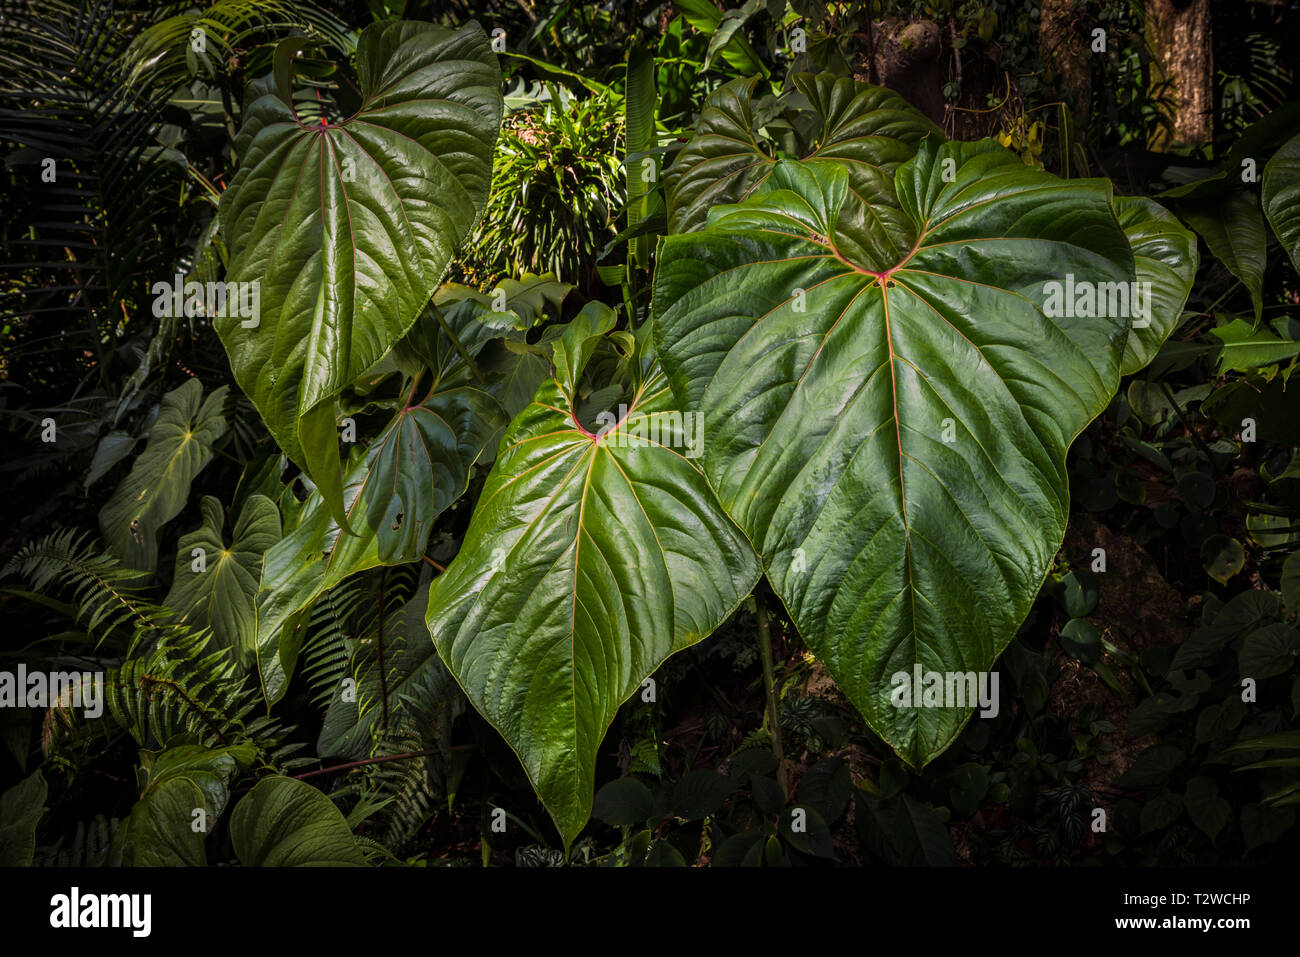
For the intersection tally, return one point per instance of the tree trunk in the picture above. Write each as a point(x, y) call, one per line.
point(1064, 45)
point(1179, 34)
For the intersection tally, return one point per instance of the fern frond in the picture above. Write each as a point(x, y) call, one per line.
point(327, 650)
point(160, 51)
point(405, 704)
point(107, 597)
point(180, 687)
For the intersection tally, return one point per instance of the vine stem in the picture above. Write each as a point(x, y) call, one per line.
point(769, 687)
point(404, 756)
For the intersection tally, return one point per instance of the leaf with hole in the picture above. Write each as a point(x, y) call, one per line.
point(395, 490)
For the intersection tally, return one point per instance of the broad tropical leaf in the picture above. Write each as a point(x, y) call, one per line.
point(283, 822)
point(1246, 347)
point(893, 441)
point(217, 588)
point(1231, 225)
point(1281, 197)
point(869, 129)
point(348, 228)
point(588, 561)
point(395, 488)
point(705, 17)
point(178, 782)
point(1165, 255)
point(180, 445)
point(394, 491)
point(640, 104)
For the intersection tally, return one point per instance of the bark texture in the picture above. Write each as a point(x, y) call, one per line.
point(1179, 34)
point(1065, 45)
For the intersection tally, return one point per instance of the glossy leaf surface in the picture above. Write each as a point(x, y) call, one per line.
point(347, 228)
point(1281, 197)
point(893, 442)
point(867, 129)
point(1165, 255)
point(394, 491)
point(588, 562)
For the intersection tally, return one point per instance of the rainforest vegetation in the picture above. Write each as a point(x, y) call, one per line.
point(691, 433)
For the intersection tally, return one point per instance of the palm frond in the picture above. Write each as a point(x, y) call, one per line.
point(184, 41)
point(90, 195)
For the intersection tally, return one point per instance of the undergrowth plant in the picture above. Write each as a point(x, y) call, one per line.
point(841, 407)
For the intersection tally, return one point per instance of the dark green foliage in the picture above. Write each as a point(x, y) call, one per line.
point(539, 607)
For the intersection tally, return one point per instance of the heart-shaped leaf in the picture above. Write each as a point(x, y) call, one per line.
point(21, 809)
point(180, 446)
point(1233, 228)
point(216, 585)
point(868, 129)
point(394, 491)
point(347, 228)
point(893, 442)
point(284, 822)
point(177, 784)
point(588, 561)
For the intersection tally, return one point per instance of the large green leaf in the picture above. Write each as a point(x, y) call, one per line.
point(588, 561)
point(705, 17)
point(640, 105)
point(1165, 255)
point(349, 227)
point(158, 832)
point(868, 129)
point(1233, 228)
point(893, 442)
point(217, 588)
point(1246, 347)
point(286, 823)
point(180, 445)
point(1281, 197)
point(184, 789)
point(394, 491)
